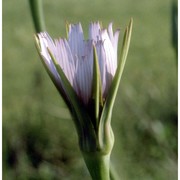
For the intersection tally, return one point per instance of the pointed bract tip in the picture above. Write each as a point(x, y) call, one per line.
point(67, 28)
point(131, 22)
point(37, 42)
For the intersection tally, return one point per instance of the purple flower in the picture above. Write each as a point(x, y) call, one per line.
point(75, 57)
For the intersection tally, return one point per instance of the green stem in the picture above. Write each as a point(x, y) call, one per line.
point(113, 173)
point(37, 15)
point(98, 165)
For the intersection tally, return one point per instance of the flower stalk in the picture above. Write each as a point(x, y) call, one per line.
point(98, 165)
point(37, 15)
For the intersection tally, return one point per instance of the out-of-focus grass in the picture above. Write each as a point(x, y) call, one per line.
point(39, 138)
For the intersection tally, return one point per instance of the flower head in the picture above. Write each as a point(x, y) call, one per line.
point(75, 57)
point(87, 75)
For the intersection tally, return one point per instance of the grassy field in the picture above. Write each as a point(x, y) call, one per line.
point(39, 138)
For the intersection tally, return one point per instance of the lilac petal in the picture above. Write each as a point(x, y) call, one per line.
point(94, 31)
point(110, 59)
point(110, 32)
point(75, 39)
point(46, 42)
point(110, 54)
point(84, 73)
point(114, 38)
point(65, 59)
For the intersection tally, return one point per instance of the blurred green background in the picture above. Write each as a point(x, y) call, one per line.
point(39, 138)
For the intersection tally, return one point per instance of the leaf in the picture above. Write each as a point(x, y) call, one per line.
point(105, 132)
point(97, 91)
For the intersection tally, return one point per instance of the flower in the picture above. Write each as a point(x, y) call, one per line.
point(88, 70)
point(87, 75)
point(75, 57)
